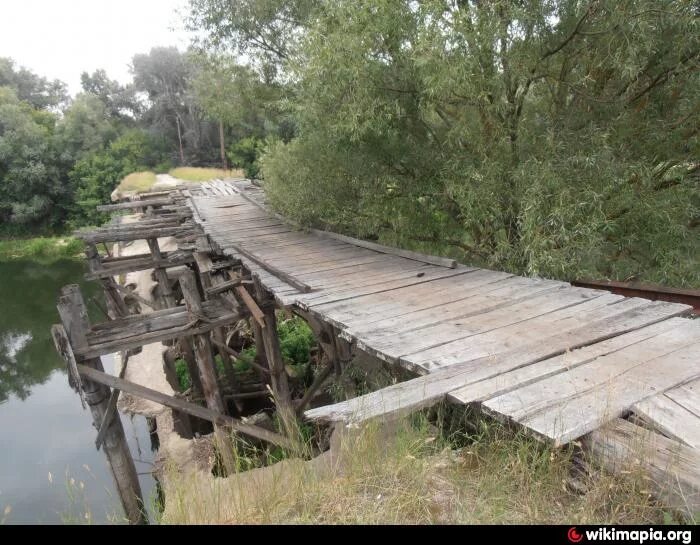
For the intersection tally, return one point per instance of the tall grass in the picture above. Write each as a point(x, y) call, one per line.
point(40, 248)
point(138, 182)
point(198, 174)
point(411, 473)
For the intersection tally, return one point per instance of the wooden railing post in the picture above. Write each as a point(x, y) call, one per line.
point(73, 313)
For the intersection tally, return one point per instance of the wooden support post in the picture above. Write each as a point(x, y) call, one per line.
point(278, 374)
point(161, 275)
point(205, 362)
point(116, 307)
point(168, 301)
point(337, 350)
point(219, 334)
point(73, 313)
point(185, 344)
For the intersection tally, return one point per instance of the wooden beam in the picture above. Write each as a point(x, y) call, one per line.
point(279, 273)
point(130, 205)
point(415, 256)
point(252, 306)
point(226, 286)
point(183, 406)
point(317, 383)
point(130, 293)
point(111, 407)
point(236, 355)
point(133, 233)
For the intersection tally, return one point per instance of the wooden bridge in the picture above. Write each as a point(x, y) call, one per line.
point(562, 362)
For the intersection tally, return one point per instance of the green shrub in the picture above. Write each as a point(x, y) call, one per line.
point(244, 154)
point(296, 340)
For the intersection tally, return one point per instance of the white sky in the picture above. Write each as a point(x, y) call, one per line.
point(62, 38)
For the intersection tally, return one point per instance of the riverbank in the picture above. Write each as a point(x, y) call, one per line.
point(41, 249)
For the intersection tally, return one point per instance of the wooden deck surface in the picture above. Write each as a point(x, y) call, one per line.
point(559, 360)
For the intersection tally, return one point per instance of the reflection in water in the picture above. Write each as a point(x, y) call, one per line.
point(50, 470)
point(10, 380)
point(11, 343)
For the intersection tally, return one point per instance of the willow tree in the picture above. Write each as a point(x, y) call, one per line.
point(553, 137)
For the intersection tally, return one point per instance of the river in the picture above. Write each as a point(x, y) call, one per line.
point(50, 471)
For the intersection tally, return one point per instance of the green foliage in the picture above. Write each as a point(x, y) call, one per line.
point(164, 76)
point(543, 138)
point(244, 154)
point(97, 175)
point(38, 92)
point(247, 355)
point(183, 375)
point(296, 340)
point(85, 128)
point(41, 249)
point(31, 188)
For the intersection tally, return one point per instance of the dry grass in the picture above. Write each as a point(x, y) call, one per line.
point(197, 174)
point(138, 182)
point(414, 475)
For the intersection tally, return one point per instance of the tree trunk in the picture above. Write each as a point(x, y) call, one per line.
point(222, 146)
point(179, 138)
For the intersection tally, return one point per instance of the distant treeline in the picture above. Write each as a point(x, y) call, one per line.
point(60, 156)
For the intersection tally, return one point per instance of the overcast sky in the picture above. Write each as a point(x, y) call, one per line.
point(62, 38)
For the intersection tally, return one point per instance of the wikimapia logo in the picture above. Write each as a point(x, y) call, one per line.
point(632, 536)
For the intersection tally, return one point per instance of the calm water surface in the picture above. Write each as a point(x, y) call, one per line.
point(50, 470)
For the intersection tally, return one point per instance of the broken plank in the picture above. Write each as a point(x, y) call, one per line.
point(663, 414)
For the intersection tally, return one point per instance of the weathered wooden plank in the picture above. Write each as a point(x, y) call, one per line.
point(125, 235)
point(587, 411)
point(423, 258)
point(674, 468)
point(481, 317)
point(400, 280)
point(510, 380)
point(688, 396)
point(599, 376)
point(377, 307)
point(298, 284)
point(663, 414)
point(496, 341)
point(130, 205)
point(427, 390)
point(121, 341)
point(140, 263)
point(137, 324)
point(253, 307)
point(521, 303)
